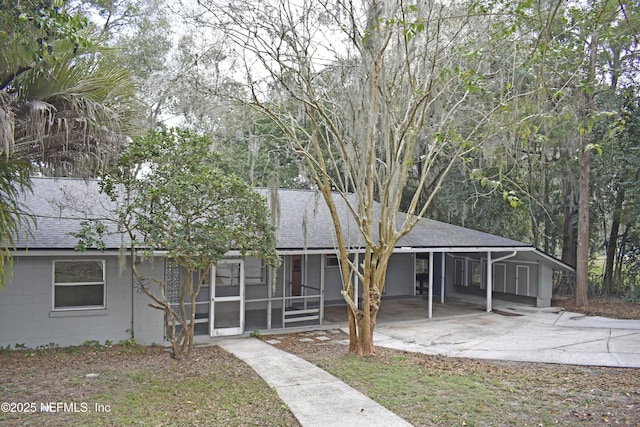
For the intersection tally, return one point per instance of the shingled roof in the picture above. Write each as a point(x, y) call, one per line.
point(306, 223)
point(59, 205)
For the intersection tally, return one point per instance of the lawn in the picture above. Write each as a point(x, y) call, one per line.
point(435, 390)
point(134, 385)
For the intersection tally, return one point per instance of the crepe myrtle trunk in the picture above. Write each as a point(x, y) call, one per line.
point(179, 322)
point(363, 320)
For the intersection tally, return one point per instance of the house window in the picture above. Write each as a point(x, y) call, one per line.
point(332, 260)
point(78, 284)
point(476, 274)
point(422, 265)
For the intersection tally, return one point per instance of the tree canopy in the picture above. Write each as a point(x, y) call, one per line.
point(482, 113)
point(375, 98)
point(174, 197)
point(65, 109)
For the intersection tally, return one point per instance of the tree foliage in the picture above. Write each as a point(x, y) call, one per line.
point(582, 58)
point(140, 34)
point(372, 96)
point(14, 180)
point(64, 106)
point(64, 109)
point(175, 198)
point(616, 199)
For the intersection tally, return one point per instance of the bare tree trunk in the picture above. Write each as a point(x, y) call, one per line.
point(582, 265)
point(535, 231)
point(612, 244)
point(374, 278)
point(193, 295)
point(368, 320)
point(365, 338)
point(546, 200)
point(569, 235)
point(353, 339)
point(620, 260)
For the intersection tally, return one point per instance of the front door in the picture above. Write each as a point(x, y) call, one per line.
point(296, 275)
point(227, 298)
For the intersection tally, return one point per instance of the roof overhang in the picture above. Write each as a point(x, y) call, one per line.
point(531, 253)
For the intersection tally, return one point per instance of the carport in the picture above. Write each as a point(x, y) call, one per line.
point(521, 272)
point(415, 309)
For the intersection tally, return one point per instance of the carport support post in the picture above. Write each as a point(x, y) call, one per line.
point(430, 285)
point(489, 281)
point(442, 277)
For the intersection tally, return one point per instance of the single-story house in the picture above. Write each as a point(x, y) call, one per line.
point(60, 296)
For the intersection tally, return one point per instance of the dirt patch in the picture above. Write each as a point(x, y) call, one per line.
point(613, 308)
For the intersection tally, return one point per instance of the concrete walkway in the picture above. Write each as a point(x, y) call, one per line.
point(315, 397)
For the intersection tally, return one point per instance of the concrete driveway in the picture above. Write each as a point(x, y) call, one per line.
point(520, 333)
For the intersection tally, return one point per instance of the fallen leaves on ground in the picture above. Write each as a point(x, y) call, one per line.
point(138, 385)
point(614, 308)
point(516, 393)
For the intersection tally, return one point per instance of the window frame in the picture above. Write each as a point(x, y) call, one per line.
point(334, 263)
point(476, 273)
point(55, 285)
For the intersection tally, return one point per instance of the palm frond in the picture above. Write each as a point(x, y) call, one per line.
point(14, 179)
point(7, 121)
point(75, 115)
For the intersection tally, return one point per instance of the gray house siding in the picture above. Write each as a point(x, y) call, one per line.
point(544, 292)
point(333, 285)
point(26, 307)
point(312, 274)
point(521, 278)
point(27, 316)
point(148, 322)
point(400, 278)
point(467, 272)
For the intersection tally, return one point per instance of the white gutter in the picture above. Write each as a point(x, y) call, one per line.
point(405, 249)
point(490, 262)
point(472, 249)
point(430, 310)
point(511, 255)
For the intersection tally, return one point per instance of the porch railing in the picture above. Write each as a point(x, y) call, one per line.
point(301, 309)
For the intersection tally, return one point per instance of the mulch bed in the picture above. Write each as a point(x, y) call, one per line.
point(614, 308)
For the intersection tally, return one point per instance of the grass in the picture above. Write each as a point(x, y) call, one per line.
point(449, 398)
point(428, 390)
point(134, 387)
